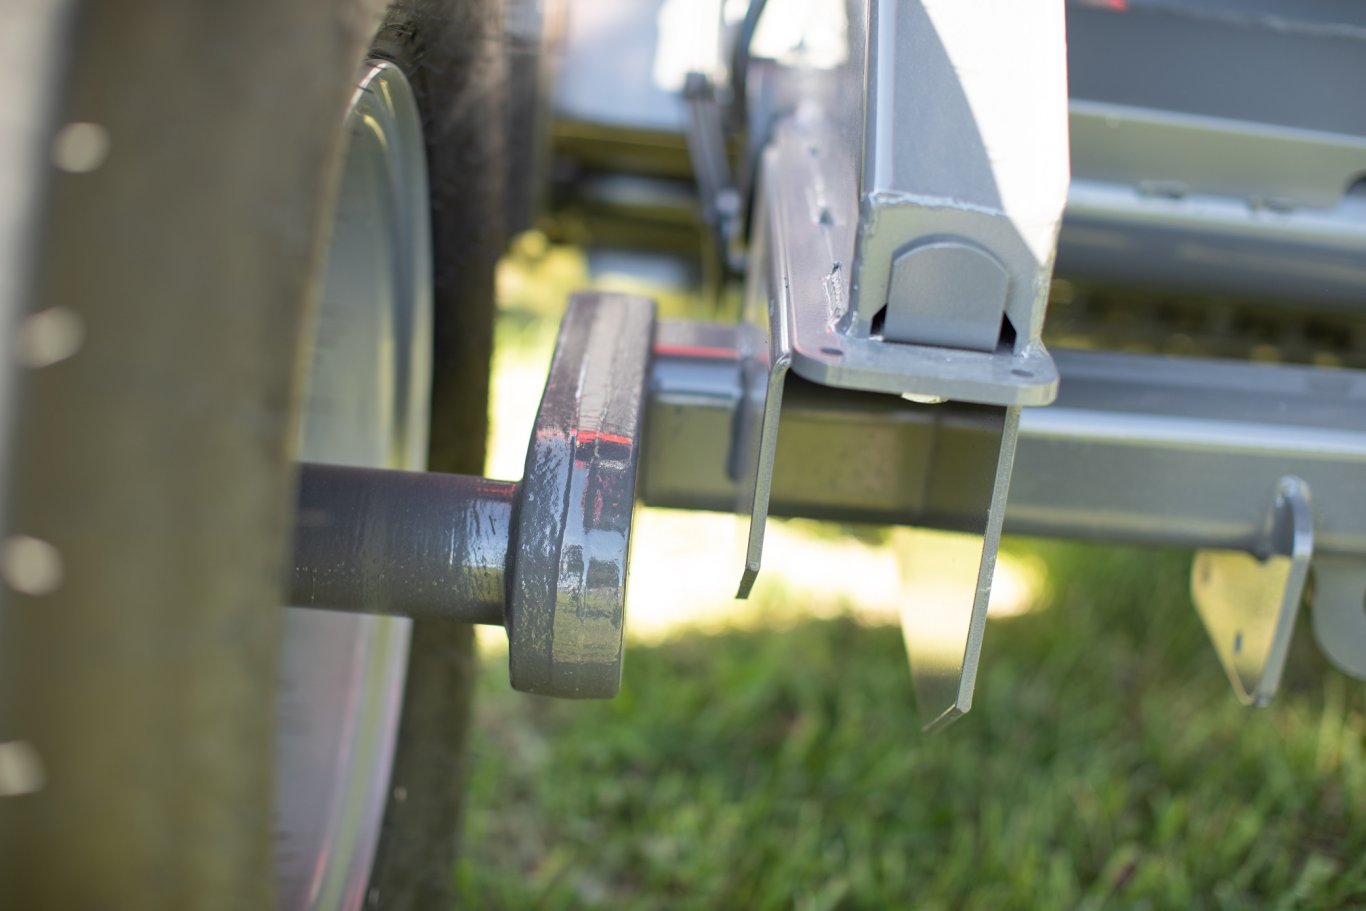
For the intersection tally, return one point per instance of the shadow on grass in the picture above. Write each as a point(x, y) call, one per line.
point(1105, 764)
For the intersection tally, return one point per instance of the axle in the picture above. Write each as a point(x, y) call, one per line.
point(426, 546)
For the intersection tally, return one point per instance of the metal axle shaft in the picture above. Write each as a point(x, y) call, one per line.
point(426, 546)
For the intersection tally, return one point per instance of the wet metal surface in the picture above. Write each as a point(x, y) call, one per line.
point(567, 591)
point(546, 557)
point(414, 544)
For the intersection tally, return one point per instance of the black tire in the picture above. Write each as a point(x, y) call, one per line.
point(156, 461)
point(454, 61)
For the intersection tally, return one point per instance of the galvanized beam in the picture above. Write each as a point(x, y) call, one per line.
point(1138, 449)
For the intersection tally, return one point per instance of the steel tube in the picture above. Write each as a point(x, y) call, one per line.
point(412, 544)
point(1138, 449)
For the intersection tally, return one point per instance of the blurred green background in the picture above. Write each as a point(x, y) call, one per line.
point(768, 754)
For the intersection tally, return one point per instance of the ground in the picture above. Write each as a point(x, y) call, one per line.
point(1105, 763)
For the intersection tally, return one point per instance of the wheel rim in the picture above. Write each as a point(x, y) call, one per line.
point(368, 400)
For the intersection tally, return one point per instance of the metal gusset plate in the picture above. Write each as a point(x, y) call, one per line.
point(1338, 618)
point(567, 587)
point(1249, 601)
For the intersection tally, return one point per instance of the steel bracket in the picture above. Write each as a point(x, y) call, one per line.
point(802, 237)
point(943, 640)
point(913, 261)
point(1249, 600)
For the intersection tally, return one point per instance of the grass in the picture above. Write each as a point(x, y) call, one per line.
point(1105, 764)
point(780, 764)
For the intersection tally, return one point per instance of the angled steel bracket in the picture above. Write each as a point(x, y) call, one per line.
point(1249, 601)
point(943, 641)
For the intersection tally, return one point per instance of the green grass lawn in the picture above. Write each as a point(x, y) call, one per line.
point(1105, 763)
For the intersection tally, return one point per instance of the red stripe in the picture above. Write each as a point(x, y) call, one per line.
point(591, 436)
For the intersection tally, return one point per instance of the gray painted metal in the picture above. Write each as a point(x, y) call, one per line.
point(965, 141)
point(547, 557)
point(1128, 235)
point(1277, 62)
point(721, 205)
point(911, 156)
point(567, 585)
point(1249, 602)
point(803, 238)
point(1171, 153)
point(932, 123)
point(906, 219)
point(950, 290)
point(765, 355)
point(405, 543)
point(1208, 154)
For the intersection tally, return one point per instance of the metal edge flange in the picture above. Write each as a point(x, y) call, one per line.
point(765, 353)
point(944, 638)
point(1249, 601)
point(567, 576)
